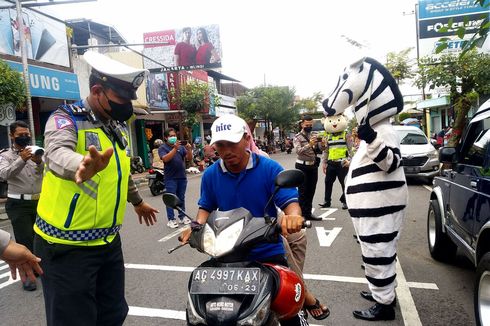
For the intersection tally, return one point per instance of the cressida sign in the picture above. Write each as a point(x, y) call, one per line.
point(453, 14)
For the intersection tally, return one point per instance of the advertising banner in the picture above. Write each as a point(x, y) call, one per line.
point(436, 14)
point(50, 83)
point(188, 48)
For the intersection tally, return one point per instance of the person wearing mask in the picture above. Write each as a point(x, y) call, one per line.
point(19, 258)
point(23, 171)
point(83, 199)
point(227, 185)
point(307, 147)
point(174, 156)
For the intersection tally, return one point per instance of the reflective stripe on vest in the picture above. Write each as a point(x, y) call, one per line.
point(88, 214)
point(337, 147)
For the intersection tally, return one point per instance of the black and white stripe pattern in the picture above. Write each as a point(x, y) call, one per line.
point(376, 191)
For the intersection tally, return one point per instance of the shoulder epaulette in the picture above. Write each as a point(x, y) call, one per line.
point(74, 109)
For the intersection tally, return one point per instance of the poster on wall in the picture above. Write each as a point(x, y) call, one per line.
point(187, 48)
point(157, 95)
point(46, 39)
point(433, 15)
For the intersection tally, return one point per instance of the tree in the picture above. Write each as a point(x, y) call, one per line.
point(310, 104)
point(399, 65)
point(193, 97)
point(12, 87)
point(476, 39)
point(466, 77)
point(273, 104)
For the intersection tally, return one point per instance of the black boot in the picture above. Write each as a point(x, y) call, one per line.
point(377, 312)
point(369, 296)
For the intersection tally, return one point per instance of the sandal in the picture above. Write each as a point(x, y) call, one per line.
point(317, 306)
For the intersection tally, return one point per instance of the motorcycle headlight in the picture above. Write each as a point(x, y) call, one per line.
point(433, 154)
point(223, 243)
point(259, 316)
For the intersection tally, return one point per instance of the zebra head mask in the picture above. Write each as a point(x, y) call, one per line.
point(369, 87)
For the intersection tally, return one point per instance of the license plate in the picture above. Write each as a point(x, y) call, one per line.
point(151, 176)
point(412, 169)
point(224, 280)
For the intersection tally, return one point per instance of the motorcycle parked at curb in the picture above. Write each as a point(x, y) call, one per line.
point(156, 181)
point(229, 290)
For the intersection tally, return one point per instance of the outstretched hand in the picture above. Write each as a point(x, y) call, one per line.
point(92, 163)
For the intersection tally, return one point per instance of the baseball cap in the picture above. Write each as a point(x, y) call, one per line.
point(124, 80)
point(229, 128)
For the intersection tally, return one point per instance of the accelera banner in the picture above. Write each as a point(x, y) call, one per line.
point(50, 83)
point(436, 14)
point(46, 39)
point(187, 48)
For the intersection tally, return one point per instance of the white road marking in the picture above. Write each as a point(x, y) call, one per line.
point(9, 281)
point(153, 312)
point(326, 237)
point(328, 212)
point(171, 235)
point(427, 187)
point(2, 266)
point(407, 305)
point(318, 277)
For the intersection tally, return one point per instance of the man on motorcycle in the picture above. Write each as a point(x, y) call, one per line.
point(244, 179)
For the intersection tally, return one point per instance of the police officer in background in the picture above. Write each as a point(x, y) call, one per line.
point(23, 171)
point(83, 200)
point(307, 146)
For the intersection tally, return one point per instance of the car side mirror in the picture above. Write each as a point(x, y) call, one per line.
point(448, 155)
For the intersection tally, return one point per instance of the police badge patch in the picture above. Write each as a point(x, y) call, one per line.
point(92, 139)
point(62, 122)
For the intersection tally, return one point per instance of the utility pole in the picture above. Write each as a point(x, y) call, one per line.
point(25, 66)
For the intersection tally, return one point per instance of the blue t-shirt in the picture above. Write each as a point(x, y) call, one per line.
point(175, 168)
point(250, 189)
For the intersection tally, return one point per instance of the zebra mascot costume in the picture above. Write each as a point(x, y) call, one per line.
point(376, 190)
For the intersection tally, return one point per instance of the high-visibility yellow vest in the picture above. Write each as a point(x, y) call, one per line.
point(337, 146)
point(91, 213)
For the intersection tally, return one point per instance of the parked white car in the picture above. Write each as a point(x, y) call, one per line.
point(419, 157)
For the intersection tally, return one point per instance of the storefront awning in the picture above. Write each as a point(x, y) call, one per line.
point(434, 102)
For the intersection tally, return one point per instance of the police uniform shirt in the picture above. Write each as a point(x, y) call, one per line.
point(4, 240)
point(61, 141)
point(303, 149)
point(23, 177)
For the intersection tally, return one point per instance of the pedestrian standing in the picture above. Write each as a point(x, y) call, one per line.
point(307, 147)
point(83, 200)
point(174, 156)
point(23, 171)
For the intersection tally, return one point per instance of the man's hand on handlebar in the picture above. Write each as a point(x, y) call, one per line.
point(185, 235)
point(291, 224)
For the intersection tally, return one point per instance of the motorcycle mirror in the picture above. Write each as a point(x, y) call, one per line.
point(290, 178)
point(171, 200)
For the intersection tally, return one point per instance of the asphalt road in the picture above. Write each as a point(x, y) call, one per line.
point(429, 292)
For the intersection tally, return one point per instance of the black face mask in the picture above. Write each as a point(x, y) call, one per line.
point(307, 129)
point(22, 141)
point(119, 112)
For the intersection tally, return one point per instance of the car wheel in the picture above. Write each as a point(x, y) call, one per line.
point(482, 292)
point(440, 245)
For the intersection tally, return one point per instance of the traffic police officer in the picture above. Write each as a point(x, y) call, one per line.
point(83, 200)
point(23, 170)
point(307, 146)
